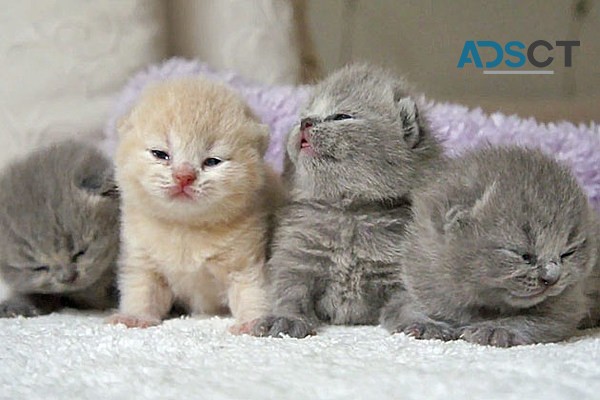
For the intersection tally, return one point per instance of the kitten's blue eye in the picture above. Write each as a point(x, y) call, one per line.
point(212, 161)
point(339, 117)
point(42, 268)
point(161, 155)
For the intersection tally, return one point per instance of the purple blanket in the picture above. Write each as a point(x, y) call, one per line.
point(457, 127)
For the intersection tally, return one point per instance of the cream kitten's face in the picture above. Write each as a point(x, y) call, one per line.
point(191, 148)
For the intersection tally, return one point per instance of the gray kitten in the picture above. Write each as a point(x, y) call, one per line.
point(592, 289)
point(498, 252)
point(358, 152)
point(59, 231)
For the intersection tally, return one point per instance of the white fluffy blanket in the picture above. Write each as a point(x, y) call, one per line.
point(73, 355)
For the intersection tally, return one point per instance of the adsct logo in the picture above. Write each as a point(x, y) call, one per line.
point(515, 55)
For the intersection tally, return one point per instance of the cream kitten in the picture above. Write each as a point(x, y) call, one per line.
point(196, 203)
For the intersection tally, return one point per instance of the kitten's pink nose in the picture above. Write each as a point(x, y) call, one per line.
point(184, 175)
point(68, 274)
point(306, 123)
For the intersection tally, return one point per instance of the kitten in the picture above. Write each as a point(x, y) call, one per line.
point(592, 289)
point(59, 231)
point(498, 252)
point(196, 201)
point(353, 161)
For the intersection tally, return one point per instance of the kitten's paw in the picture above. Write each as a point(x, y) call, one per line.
point(275, 326)
point(131, 321)
point(430, 330)
point(244, 328)
point(12, 309)
point(490, 335)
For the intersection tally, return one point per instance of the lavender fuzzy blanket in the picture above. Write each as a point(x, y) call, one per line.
point(457, 127)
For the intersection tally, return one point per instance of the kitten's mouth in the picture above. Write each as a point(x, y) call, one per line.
point(530, 295)
point(305, 143)
point(182, 193)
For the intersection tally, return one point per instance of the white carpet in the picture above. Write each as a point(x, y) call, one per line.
point(73, 355)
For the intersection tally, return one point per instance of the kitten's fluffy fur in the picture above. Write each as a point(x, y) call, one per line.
point(497, 253)
point(364, 149)
point(59, 231)
point(202, 247)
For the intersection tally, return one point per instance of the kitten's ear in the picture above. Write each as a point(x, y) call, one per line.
point(482, 203)
point(99, 185)
point(461, 215)
point(409, 117)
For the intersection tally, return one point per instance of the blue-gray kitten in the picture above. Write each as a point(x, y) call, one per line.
point(592, 289)
point(59, 230)
point(353, 161)
point(497, 253)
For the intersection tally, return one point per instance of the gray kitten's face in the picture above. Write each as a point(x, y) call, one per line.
point(523, 247)
point(525, 265)
point(58, 221)
point(359, 136)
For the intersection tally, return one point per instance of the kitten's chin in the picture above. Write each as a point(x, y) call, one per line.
point(526, 300)
point(184, 209)
point(182, 197)
point(58, 288)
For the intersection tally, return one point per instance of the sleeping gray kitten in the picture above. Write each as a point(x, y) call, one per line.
point(59, 231)
point(358, 152)
point(498, 252)
point(592, 289)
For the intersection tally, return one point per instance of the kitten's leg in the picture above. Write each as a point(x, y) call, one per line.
point(247, 299)
point(145, 298)
point(520, 330)
point(30, 305)
point(19, 306)
point(591, 318)
point(554, 320)
point(292, 291)
point(401, 314)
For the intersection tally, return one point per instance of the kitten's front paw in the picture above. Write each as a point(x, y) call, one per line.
point(16, 308)
point(490, 335)
point(131, 321)
point(430, 330)
point(245, 328)
point(275, 326)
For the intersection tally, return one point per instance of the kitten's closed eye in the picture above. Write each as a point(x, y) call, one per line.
point(161, 155)
point(573, 248)
point(568, 253)
point(42, 268)
point(519, 255)
point(338, 117)
point(77, 255)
